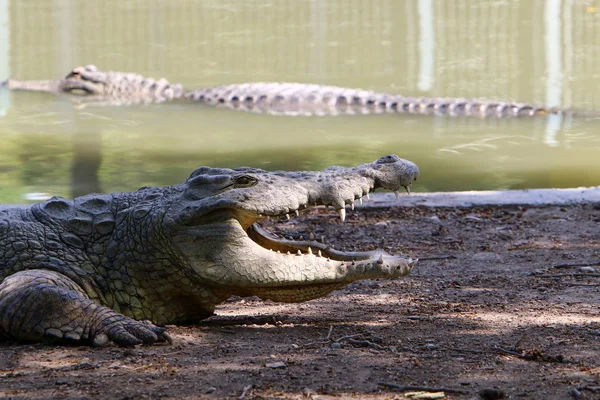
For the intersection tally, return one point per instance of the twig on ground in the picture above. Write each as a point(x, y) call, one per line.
point(590, 388)
point(347, 337)
point(575, 265)
point(535, 356)
point(308, 344)
point(513, 353)
point(367, 343)
point(459, 350)
point(437, 258)
point(329, 333)
point(583, 284)
point(245, 391)
point(406, 388)
point(576, 275)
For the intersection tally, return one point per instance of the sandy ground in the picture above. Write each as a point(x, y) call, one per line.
point(502, 304)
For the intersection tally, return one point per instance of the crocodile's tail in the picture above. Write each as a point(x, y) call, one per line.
point(311, 99)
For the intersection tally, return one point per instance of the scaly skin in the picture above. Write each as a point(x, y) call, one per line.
point(90, 270)
point(308, 99)
point(87, 84)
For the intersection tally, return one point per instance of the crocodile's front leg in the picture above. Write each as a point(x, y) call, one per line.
point(42, 305)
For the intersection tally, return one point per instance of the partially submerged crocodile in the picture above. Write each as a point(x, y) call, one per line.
point(116, 88)
point(90, 270)
point(89, 85)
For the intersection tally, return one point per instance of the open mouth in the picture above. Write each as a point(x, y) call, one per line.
point(312, 245)
point(307, 247)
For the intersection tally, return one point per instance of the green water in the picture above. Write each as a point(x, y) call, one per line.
point(534, 51)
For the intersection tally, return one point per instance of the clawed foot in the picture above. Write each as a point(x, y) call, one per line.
point(125, 332)
point(129, 332)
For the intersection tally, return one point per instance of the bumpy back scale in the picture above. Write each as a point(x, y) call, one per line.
point(311, 99)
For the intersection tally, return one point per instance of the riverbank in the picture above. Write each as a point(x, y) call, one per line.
point(505, 298)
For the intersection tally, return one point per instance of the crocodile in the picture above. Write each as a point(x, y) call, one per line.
point(117, 267)
point(89, 85)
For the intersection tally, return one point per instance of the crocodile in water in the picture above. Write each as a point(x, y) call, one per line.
point(91, 269)
point(117, 88)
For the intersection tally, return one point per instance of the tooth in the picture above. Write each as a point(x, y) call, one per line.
point(368, 198)
point(342, 212)
point(309, 250)
point(352, 206)
point(269, 217)
point(397, 193)
point(290, 238)
point(380, 261)
point(299, 253)
point(287, 216)
point(301, 238)
point(322, 239)
point(288, 253)
point(297, 212)
point(407, 188)
point(311, 236)
point(319, 253)
point(278, 251)
point(360, 201)
point(260, 215)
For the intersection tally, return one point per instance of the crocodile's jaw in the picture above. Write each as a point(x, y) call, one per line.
point(81, 87)
point(226, 255)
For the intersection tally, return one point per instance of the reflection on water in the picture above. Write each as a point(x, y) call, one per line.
point(542, 52)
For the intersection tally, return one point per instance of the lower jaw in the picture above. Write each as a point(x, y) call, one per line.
point(293, 294)
point(266, 240)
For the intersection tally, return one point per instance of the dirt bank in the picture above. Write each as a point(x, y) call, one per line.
point(503, 298)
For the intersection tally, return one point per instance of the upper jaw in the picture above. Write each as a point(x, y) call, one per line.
point(339, 203)
point(284, 194)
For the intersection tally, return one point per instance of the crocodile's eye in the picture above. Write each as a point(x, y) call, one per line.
point(392, 158)
point(245, 181)
point(74, 75)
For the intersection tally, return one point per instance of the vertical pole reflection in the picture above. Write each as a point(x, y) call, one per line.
point(64, 19)
point(4, 55)
point(426, 46)
point(318, 21)
point(554, 67)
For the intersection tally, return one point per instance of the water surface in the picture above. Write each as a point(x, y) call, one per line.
point(543, 52)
